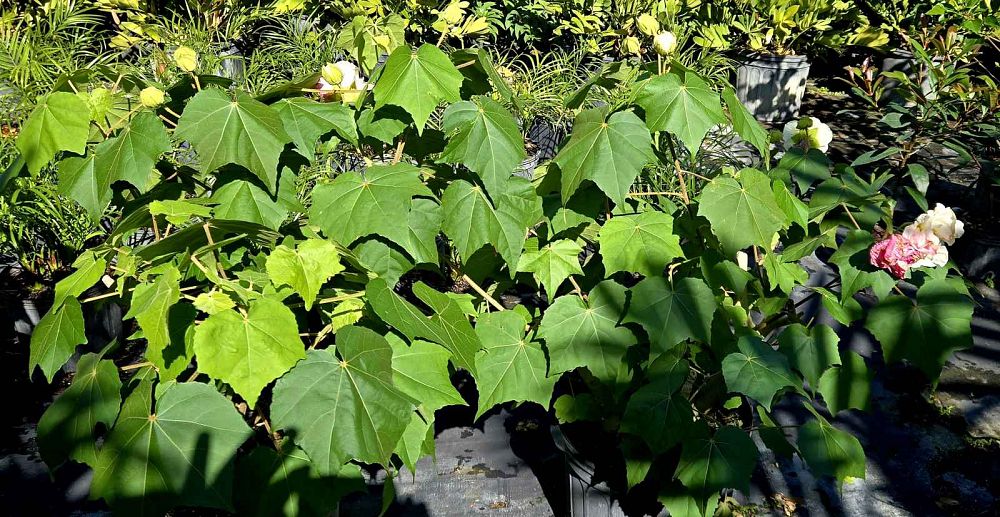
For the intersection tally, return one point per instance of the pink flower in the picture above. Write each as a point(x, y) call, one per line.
point(891, 254)
point(898, 253)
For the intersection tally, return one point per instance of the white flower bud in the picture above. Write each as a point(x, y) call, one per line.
point(665, 43)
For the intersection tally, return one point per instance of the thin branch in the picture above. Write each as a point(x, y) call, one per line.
point(678, 171)
point(641, 194)
point(135, 366)
point(156, 228)
point(215, 251)
point(399, 151)
point(484, 294)
point(850, 215)
point(576, 287)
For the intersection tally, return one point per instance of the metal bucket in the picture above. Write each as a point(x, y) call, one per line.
point(771, 87)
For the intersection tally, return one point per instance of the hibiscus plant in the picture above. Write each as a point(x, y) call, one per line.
point(282, 342)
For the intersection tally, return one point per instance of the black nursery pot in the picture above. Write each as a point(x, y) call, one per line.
point(595, 483)
point(772, 86)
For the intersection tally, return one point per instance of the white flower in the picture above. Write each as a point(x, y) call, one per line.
point(942, 222)
point(349, 74)
point(665, 43)
point(817, 136)
point(743, 260)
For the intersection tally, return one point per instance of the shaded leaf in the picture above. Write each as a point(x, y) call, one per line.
point(580, 333)
point(346, 408)
point(671, 313)
point(848, 385)
point(925, 331)
point(66, 429)
point(56, 337)
point(810, 351)
point(511, 367)
point(757, 371)
point(180, 454)
point(643, 243)
point(725, 460)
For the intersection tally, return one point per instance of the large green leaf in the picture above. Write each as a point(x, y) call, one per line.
point(305, 268)
point(805, 167)
point(337, 409)
point(847, 386)
point(285, 482)
point(90, 268)
point(746, 125)
point(250, 350)
point(511, 366)
point(672, 312)
point(925, 331)
point(66, 429)
point(420, 371)
point(757, 371)
point(831, 452)
point(56, 337)
point(608, 150)
point(742, 212)
point(376, 201)
point(424, 224)
point(582, 333)
point(471, 221)
point(418, 81)
point(59, 122)
point(383, 259)
point(683, 104)
point(552, 264)
point(484, 137)
point(810, 351)
point(306, 120)
point(854, 264)
point(242, 200)
point(678, 501)
point(417, 440)
point(179, 454)
point(151, 303)
point(448, 326)
point(239, 130)
point(78, 182)
point(642, 243)
point(657, 412)
point(131, 155)
point(725, 460)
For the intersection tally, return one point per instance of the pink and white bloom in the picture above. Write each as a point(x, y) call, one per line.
point(893, 254)
point(942, 222)
point(927, 248)
point(899, 253)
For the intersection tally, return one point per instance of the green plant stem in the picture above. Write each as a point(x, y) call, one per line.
point(475, 287)
point(678, 171)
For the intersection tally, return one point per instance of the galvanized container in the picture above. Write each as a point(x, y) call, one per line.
point(771, 87)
